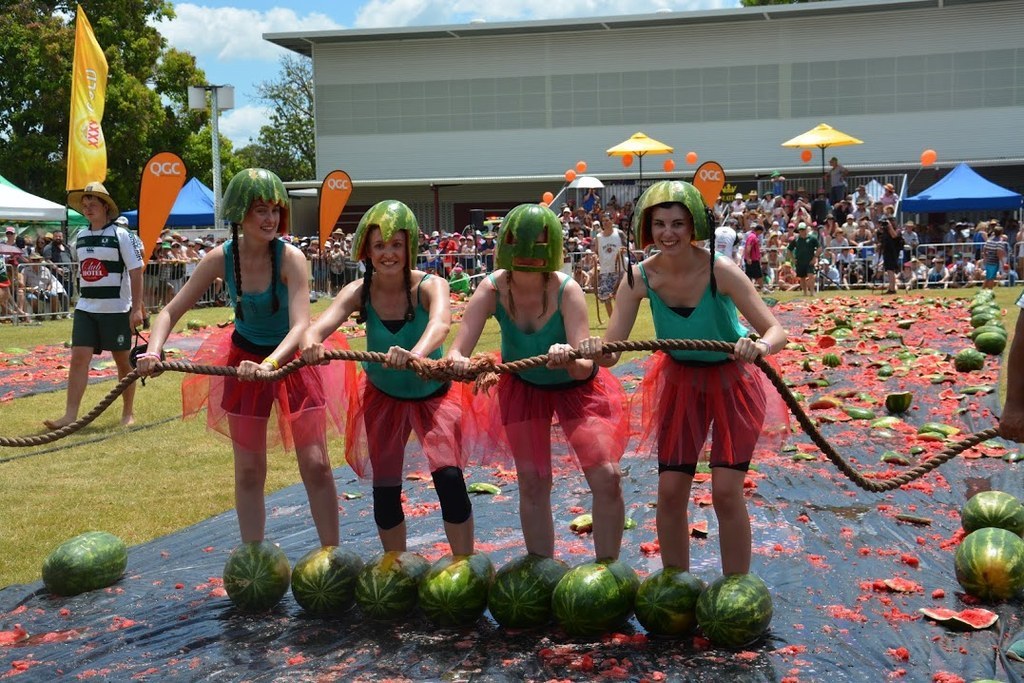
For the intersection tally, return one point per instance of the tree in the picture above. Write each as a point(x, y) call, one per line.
point(146, 103)
point(287, 145)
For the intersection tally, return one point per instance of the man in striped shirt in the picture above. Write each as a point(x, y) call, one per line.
point(110, 302)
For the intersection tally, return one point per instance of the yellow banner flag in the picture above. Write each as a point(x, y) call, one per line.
point(87, 151)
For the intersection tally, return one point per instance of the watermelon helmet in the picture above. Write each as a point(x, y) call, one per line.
point(668, 191)
point(530, 240)
point(390, 216)
point(252, 184)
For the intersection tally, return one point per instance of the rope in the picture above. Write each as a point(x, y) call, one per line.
point(485, 370)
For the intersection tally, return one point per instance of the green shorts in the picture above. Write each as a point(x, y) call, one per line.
point(102, 331)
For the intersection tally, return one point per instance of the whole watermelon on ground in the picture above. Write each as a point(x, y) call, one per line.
point(990, 564)
point(595, 598)
point(993, 509)
point(89, 561)
point(453, 592)
point(388, 587)
point(324, 580)
point(735, 610)
point(256, 576)
point(968, 360)
point(666, 602)
point(520, 595)
point(991, 343)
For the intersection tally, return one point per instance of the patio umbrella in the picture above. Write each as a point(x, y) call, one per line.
point(639, 145)
point(822, 136)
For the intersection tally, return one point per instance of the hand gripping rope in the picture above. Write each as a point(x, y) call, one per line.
point(484, 371)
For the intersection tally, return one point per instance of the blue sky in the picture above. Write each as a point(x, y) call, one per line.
point(226, 37)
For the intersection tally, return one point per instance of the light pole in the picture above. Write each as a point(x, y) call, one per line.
point(221, 97)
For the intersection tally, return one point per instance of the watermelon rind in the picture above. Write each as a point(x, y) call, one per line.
point(324, 580)
point(256, 576)
point(666, 602)
point(989, 564)
point(89, 561)
point(993, 509)
point(454, 590)
point(972, 619)
point(520, 595)
point(595, 597)
point(735, 610)
point(388, 586)
point(898, 402)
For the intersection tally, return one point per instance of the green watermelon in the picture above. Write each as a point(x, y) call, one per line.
point(390, 216)
point(994, 328)
point(256, 576)
point(388, 587)
point(595, 598)
point(89, 561)
point(735, 610)
point(831, 360)
point(324, 580)
point(666, 602)
point(520, 595)
point(250, 184)
point(898, 402)
point(968, 360)
point(990, 564)
point(990, 343)
point(993, 509)
point(983, 318)
point(453, 592)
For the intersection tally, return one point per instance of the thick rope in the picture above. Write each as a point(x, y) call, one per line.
point(485, 370)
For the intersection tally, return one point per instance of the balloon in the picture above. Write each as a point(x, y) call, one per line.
point(548, 197)
point(669, 165)
point(627, 160)
point(928, 157)
point(581, 167)
point(570, 175)
point(691, 157)
point(544, 204)
point(805, 155)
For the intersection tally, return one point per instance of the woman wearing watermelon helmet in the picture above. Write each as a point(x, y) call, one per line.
point(542, 310)
point(694, 294)
point(407, 314)
point(267, 282)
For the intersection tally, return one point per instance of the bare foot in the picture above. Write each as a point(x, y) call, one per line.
point(57, 424)
point(127, 420)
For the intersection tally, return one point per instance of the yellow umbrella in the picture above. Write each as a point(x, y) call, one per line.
point(639, 145)
point(822, 136)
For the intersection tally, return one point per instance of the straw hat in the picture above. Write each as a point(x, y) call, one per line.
point(97, 190)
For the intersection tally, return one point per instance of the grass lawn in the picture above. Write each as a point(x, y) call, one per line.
point(164, 474)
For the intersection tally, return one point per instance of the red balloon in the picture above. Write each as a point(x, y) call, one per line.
point(669, 165)
point(627, 160)
point(805, 155)
point(544, 204)
point(581, 167)
point(570, 175)
point(548, 197)
point(691, 157)
point(928, 157)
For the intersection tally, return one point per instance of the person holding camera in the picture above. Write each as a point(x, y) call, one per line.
point(890, 244)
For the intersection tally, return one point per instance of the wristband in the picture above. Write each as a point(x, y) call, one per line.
point(150, 354)
point(767, 346)
point(271, 362)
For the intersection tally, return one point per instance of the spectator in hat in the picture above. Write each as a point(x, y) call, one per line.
point(458, 281)
point(805, 251)
point(110, 263)
point(738, 207)
point(889, 197)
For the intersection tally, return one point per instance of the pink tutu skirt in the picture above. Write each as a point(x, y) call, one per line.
point(256, 415)
point(676, 403)
point(378, 427)
point(518, 423)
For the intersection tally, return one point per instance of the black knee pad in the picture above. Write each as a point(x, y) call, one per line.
point(387, 506)
point(451, 491)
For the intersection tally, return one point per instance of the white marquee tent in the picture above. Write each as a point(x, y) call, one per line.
point(18, 205)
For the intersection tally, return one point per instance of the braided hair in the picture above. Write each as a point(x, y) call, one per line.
point(237, 262)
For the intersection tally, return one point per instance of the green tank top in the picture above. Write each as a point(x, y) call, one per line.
point(715, 318)
point(260, 324)
point(516, 344)
point(404, 384)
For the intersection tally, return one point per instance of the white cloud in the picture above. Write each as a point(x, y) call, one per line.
point(243, 125)
point(231, 33)
point(387, 13)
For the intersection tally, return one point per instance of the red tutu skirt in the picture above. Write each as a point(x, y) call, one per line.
point(246, 411)
point(676, 403)
point(378, 427)
point(518, 423)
